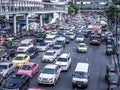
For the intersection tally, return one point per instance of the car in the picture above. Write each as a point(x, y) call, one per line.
point(16, 82)
point(71, 35)
point(7, 54)
point(49, 56)
point(29, 68)
point(80, 38)
point(36, 89)
point(26, 44)
point(42, 46)
point(58, 49)
point(6, 68)
point(82, 47)
point(113, 80)
point(68, 40)
point(64, 60)
point(40, 36)
point(2, 48)
point(32, 52)
point(49, 74)
point(60, 41)
point(21, 59)
point(109, 49)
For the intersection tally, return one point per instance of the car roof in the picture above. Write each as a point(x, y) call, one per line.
point(64, 55)
point(26, 41)
point(82, 67)
point(29, 63)
point(5, 63)
point(52, 66)
point(21, 55)
point(50, 51)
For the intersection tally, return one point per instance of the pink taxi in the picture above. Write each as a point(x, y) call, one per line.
point(36, 89)
point(2, 40)
point(29, 68)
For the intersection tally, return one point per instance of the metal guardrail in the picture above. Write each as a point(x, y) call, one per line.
point(21, 6)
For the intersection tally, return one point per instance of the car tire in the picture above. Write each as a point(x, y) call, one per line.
point(54, 82)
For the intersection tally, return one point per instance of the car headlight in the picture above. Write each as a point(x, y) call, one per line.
point(51, 79)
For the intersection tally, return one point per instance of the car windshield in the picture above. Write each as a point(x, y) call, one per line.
point(78, 74)
point(23, 45)
point(3, 66)
point(48, 71)
point(19, 58)
point(80, 45)
point(26, 67)
point(56, 47)
point(31, 50)
point(62, 59)
point(49, 53)
point(48, 38)
point(42, 44)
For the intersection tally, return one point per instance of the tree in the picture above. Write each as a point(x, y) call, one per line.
point(76, 7)
point(70, 10)
point(117, 2)
point(111, 12)
point(2, 21)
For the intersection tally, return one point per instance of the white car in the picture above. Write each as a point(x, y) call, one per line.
point(42, 46)
point(49, 74)
point(80, 38)
point(71, 35)
point(49, 56)
point(64, 60)
point(58, 49)
point(6, 68)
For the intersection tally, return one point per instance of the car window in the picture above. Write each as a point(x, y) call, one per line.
point(26, 67)
point(10, 65)
point(3, 66)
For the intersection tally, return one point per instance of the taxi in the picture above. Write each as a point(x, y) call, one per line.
point(82, 47)
point(21, 59)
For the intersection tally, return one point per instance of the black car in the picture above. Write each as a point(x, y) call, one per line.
point(16, 82)
point(32, 52)
point(7, 54)
point(109, 49)
point(113, 80)
point(40, 36)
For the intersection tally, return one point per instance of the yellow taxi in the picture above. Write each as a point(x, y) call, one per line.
point(10, 38)
point(54, 32)
point(82, 47)
point(20, 59)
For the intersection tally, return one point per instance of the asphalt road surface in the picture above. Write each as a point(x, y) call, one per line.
point(95, 56)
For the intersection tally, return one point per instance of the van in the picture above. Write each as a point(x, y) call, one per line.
point(25, 44)
point(80, 77)
point(51, 39)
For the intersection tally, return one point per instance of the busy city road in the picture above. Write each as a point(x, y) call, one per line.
point(95, 56)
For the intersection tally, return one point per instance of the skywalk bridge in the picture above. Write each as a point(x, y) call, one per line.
point(26, 7)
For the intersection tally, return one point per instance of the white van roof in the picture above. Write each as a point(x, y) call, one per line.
point(25, 41)
point(50, 36)
point(82, 67)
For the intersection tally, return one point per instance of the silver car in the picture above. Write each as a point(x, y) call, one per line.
point(6, 68)
point(58, 49)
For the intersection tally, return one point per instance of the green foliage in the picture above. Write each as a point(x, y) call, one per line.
point(71, 10)
point(117, 2)
point(76, 7)
point(111, 12)
point(2, 21)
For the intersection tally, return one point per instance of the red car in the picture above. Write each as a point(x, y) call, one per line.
point(29, 68)
point(36, 89)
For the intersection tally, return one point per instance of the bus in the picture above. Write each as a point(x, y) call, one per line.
point(95, 36)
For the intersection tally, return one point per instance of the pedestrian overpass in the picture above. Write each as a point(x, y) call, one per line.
point(26, 7)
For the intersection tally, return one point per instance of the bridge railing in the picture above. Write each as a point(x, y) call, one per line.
point(21, 6)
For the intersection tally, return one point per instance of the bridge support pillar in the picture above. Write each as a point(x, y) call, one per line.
point(15, 31)
point(27, 27)
point(41, 21)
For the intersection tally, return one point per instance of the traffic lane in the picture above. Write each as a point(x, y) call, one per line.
point(97, 61)
point(65, 82)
